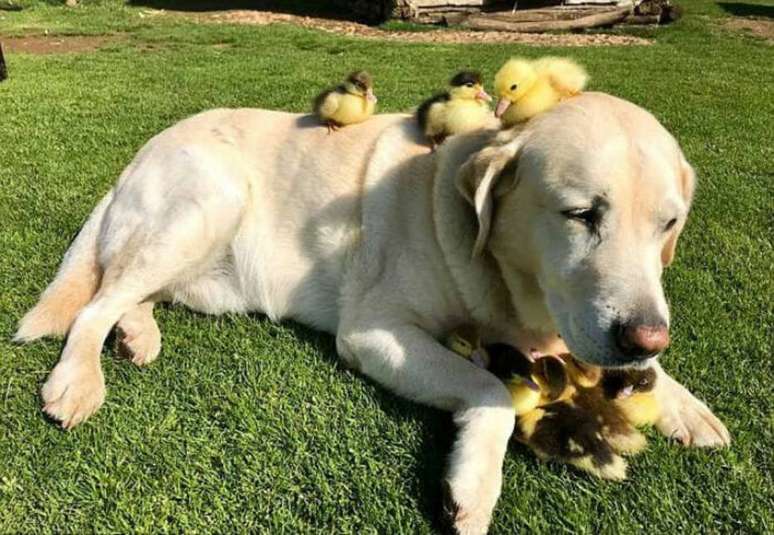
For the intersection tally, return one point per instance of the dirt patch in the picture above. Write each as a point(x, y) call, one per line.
point(438, 36)
point(763, 28)
point(60, 44)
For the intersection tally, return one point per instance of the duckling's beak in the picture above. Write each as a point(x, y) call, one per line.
point(483, 95)
point(370, 96)
point(626, 392)
point(502, 107)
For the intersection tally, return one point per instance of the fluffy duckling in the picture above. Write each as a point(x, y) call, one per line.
point(562, 411)
point(528, 87)
point(466, 341)
point(631, 390)
point(504, 361)
point(461, 109)
point(550, 420)
point(566, 432)
point(621, 401)
point(524, 378)
point(348, 103)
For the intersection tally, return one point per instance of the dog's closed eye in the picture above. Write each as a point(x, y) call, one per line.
point(588, 216)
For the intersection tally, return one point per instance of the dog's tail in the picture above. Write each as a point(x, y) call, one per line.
point(75, 284)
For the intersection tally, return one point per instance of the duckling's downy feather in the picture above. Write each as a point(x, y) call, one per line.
point(324, 106)
point(423, 112)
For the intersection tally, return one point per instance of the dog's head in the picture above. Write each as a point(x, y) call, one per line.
point(581, 209)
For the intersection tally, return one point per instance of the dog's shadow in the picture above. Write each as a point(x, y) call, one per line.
point(437, 427)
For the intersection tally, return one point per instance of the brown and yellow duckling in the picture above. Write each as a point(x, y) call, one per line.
point(463, 108)
point(567, 410)
point(351, 102)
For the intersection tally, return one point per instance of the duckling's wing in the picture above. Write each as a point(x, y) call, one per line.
point(327, 102)
point(423, 112)
point(564, 75)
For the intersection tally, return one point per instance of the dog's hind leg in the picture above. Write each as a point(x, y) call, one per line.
point(137, 335)
point(145, 249)
point(75, 284)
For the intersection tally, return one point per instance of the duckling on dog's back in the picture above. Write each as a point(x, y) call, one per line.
point(461, 109)
point(348, 103)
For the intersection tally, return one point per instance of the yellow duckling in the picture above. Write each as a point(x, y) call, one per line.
point(580, 374)
point(555, 416)
point(631, 391)
point(532, 383)
point(466, 341)
point(525, 394)
point(461, 109)
point(528, 87)
point(348, 103)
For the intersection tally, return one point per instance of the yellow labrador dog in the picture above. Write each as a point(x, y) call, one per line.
point(556, 233)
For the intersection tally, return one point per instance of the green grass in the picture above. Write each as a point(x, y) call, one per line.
point(243, 425)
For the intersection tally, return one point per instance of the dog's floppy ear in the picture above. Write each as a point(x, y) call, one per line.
point(687, 187)
point(486, 175)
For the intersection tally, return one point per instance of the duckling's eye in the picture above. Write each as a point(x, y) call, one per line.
point(643, 382)
point(514, 86)
point(469, 84)
point(670, 224)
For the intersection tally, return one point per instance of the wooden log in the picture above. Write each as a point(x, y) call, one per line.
point(605, 18)
point(537, 15)
point(3, 68)
point(425, 4)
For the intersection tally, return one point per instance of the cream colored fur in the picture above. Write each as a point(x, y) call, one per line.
point(368, 236)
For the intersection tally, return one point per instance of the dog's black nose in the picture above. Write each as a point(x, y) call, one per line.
point(641, 341)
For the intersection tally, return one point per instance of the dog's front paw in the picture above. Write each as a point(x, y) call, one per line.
point(468, 518)
point(688, 420)
point(73, 392)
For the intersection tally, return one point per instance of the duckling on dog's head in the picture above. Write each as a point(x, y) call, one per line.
point(514, 79)
point(468, 85)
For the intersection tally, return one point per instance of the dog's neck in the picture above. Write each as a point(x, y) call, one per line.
point(526, 297)
point(498, 305)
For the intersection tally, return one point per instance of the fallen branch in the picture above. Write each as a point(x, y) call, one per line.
point(606, 18)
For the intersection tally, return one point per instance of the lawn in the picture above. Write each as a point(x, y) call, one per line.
point(245, 425)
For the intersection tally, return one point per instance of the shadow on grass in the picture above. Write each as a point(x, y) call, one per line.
point(438, 430)
point(739, 9)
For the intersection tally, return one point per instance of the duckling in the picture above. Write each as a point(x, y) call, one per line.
point(571, 434)
point(622, 401)
point(516, 370)
point(352, 102)
point(528, 87)
point(504, 361)
point(631, 390)
point(466, 341)
point(563, 411)
point(550, 421)
point(461, 109)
